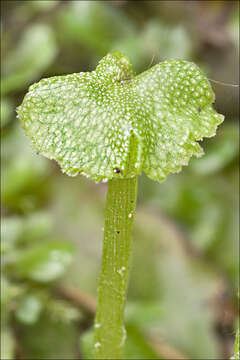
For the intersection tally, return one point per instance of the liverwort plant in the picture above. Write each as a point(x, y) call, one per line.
point(110, 125)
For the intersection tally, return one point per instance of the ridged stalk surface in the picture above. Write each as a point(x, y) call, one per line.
point(109, 333)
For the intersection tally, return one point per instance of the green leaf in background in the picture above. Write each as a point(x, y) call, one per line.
point(183, 286)
point(198, 204)
point(165, 42)
point(11, 228)
point(49, 339)
point(60, 310)
point(21, 173)
point(198, 199)
point(16, 230)
point(28, 310)
point(7, 111)
point(34, 53)
point(154, 43)
point(9, 293)
point(24, 175)
point(88, 23)
point(219, 153)
point(146, 312)
point(137, 345)
point(43, 262)
point(86, 344)
point(89, 122)
point(36, 227)
point(7, 344)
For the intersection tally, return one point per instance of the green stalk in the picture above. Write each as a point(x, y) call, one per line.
point(109, 333)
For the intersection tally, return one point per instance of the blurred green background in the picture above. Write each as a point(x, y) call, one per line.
point(182, 300)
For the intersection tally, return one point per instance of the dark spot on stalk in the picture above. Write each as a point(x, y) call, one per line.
point(118, 232)
point(117, 171)
point(199, 109)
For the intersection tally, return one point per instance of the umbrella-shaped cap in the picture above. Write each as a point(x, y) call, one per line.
point(107, 123)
